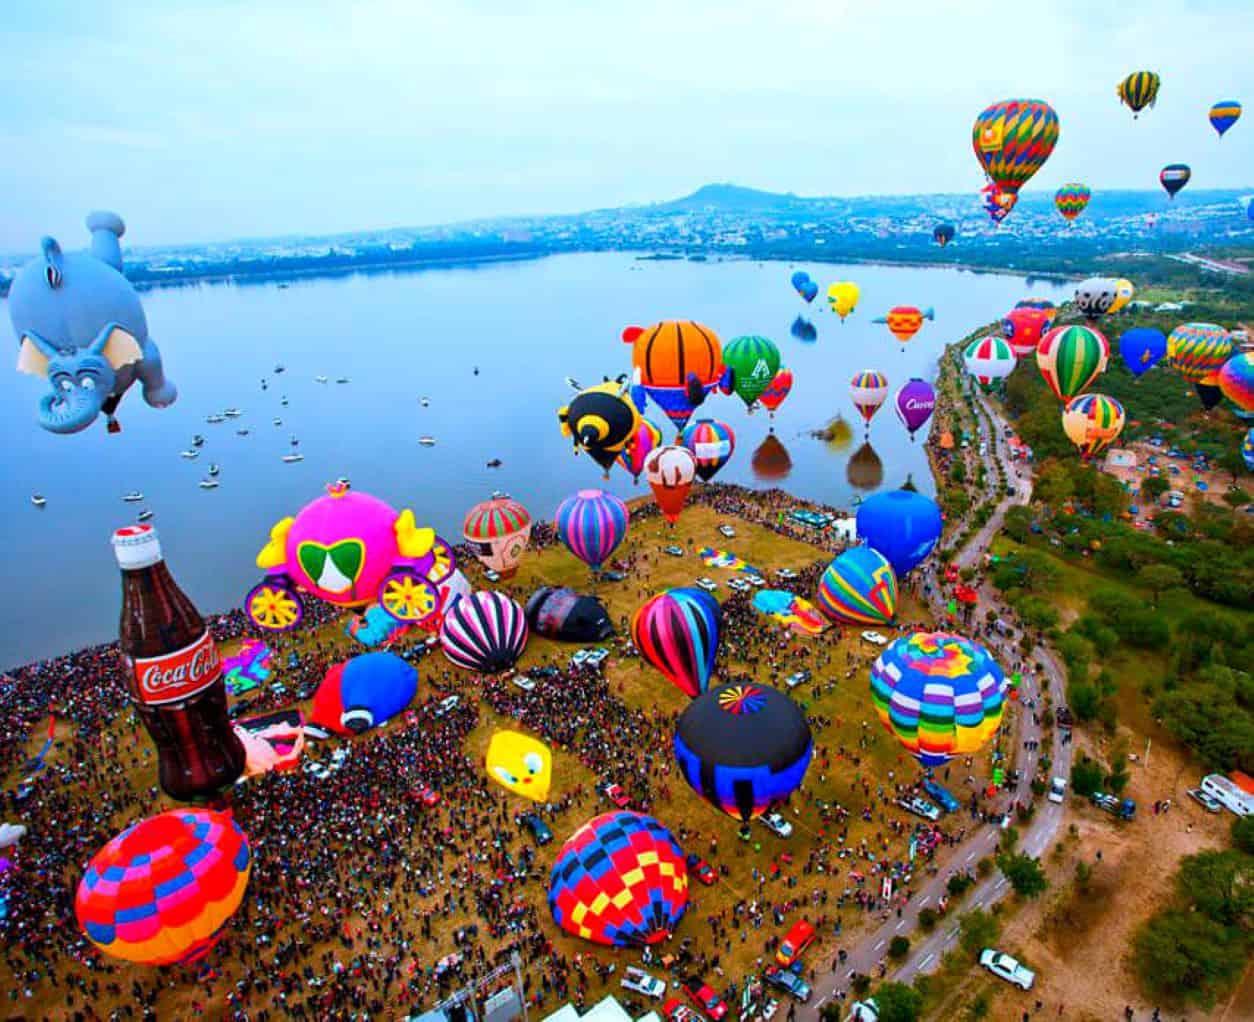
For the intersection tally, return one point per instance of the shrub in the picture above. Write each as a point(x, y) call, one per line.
point(899, 947)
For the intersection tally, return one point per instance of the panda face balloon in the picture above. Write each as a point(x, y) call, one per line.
point(1095, 296)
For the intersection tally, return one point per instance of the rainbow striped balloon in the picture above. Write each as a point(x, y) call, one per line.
point(591, 523)
point(1072, 357)
point(859, 588)
point(1198, 349)
point(938, 694)
point(1236, 380)
point(1092, 422)
point(1012, 139)
point(868, 390)
point(1071, 199)
point(711, 443)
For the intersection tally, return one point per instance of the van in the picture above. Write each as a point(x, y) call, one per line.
point(941, 795)
point(1057, 789)
point(1228, 794)
point(795, 941)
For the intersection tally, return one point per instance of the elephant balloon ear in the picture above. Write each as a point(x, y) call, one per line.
point(33, 355)
point(117, 346)
point(274, 553)
point(412, 541)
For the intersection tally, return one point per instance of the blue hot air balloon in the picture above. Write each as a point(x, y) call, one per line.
point(808, 290)
point(1142, 348)
point(799, 278)
point(901, 525)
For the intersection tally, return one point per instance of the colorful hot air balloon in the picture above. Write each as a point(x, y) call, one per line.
point(753, 363)
point(859, 588)
point(1173, 177)
point(498, 531)
point(619, 880)
point(864, 470)
point(743, 747)
point(901, 525)
point(1247, 450)
point(600, 420)
point(868, 390)
point(677, 632)
point(905, 320)
point(1236, 381)
point(842, 297)
point(997, 204)
point(1071, 358)
point(1071, 199)
point(1124, 291)
point(670, 471)
point(779, 389)
point(1138, 90)
point(484, 632)
point(798, 278)
point(943, 234)
point(1012, 139)
point(591, 523)
point(712, 444)
point(642, 443)
point(677, 363)
point(1198, 349)
point(1142, 348)
point(164, 889)
point(939, 695)
point(989, 359)
point(1037, 303)
point(914, 403)
point(1092, 422)
point(1095, 297)
point(520, 764)
point(1224, 114)
point(1023, 328)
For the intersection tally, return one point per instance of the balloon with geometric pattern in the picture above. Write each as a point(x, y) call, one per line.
point(497, 532)
point(1247, 450)
point(1092, 422)
point(1197, 350)
point(859, 588)
point(868, 391)
point(1236, 380)
point(1012, 139)
point(712, 443)
point(1071, 199)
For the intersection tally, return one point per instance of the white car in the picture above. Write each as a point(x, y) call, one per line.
point(580, 658)
point(596, 657)
point(785, 574)
point(447, 705)
point(523, 682)
point(728, 531)
point(1003, 966)
point(797, 678)
point(1211, 805)
point(738, 584)
point(874, 638)
point(640, 982)
point(1057, 789)
point(754, 579)
point(674, 551)
point(708, 584)
point(775, 823)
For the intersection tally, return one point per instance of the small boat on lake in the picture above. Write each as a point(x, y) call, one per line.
point(425, 402)
point(278, 422)
point(232, 413)
point(198, 440)
point(143, 516)
point(279, 368)
point(242, 432)
point(189, 454)
point(320, 379)
point(38, 499)
point(495, 463)
point(214, 470)
point(208, 484)
point(134, 497)
point(215, 419)
point(427, 441)
point(291, 459)
point(283, 401)
point(343, 379)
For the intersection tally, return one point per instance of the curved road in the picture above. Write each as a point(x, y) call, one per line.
point(926, 954)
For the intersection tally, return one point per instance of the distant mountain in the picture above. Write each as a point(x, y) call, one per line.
point(732, 198)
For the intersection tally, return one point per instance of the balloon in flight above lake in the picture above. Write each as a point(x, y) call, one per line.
point(712, 444)
point(1138, 90)
point(1092, 422)
point(1224, 114)
point(646, 438)
point(939, 695)
point(1071, 358)
point(803, 330)
point(677, 363)
point(670, 471)
point(989, 359)
point(997, 204)
point(520, 764)
point(1142, 348)
point(1071, 199)
point(1023, 328)
point(1095, 296)
point(601, 421)
point(859, 588)
point(1236, 381)
point(864, 471)
point(943, 234)
point(904, 321)
point(743, 747)
point(484, 632)
point(901, 525)
point(678, 633)
point(779, 388)
point(915, 402)
point(1197, 350)
point(842, 297)
point(1012, 139)
point(1173, 177)
point(752, 363)
point(1124, 292)
point(804, 286)
point(619, 880)
point(497, 532)
point(868, 391)
point(798, 278)
point(591, 523)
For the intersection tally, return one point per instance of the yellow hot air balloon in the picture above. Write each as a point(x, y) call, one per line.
point(1123, 295)
point(843, 297)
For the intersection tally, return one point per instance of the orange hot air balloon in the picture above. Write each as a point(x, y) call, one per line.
point(905, 320)
point(670, 471)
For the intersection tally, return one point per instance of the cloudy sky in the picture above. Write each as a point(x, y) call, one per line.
point(211, 119)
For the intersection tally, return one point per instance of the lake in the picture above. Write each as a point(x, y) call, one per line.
point(403, 335)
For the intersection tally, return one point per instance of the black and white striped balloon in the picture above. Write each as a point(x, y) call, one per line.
point(484, 632)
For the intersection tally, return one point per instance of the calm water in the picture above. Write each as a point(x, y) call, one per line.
point(526, 326)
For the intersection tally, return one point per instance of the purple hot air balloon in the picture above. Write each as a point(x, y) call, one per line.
point(591, 524)
point(915, 402)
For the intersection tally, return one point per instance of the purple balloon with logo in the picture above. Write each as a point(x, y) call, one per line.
point(915, 403)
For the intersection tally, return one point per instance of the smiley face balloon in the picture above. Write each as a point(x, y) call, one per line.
point(521, 764)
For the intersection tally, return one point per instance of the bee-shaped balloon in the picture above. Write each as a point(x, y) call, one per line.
point(601, 420)
point(521, 764)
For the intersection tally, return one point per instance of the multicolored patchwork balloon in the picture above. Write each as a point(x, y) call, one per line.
point(1092, 422)
point(859, 588)
point(1197, 350)
point(774, 395)
point(938, 694)
point(712, 443)
point(1012, 139)
point(1072, 357)
point(591, 523)
point(1236, 380)
point(484, 632)
point(1071, 199)
point(1247, 450)
point(868, 390)
point(677, 632)
point(989, 359)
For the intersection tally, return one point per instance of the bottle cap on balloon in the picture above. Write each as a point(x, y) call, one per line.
point(136, 546)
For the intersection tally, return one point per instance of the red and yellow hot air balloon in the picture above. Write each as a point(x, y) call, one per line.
point(905, 320)
point(1012, 139)
point(1092, 422)
point(779, 389)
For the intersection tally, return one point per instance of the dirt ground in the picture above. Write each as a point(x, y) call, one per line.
point(1132, 476)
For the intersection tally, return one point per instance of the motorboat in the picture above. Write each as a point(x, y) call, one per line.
point(280, 367)
point(242, 432)
point(283, 401)
point(215, 419)
point(295, 442)
point(134, 497)
point(427, 441)
point(38, 499)
point(208, 484)
point(214, 470)
point(198, 440)
point(425, 402)
point(495, 463)
point(189, 454)
point(320, 379)
point(144, 515)
point(232, 413)
point(278, 422)
point(343, 379)
point(293, 458)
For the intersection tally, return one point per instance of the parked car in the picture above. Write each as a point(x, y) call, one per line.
point(1004, 967)
point(447, 705)
point(675, 1010)
point(704, 998)
point(708, 584)
point(946, 800)
point(701, 869)
point(595, 657)
point(864, 1011)
point(613, 576)
point(786, 574)
point(754, 579)
point(788, 981)
point(728, 531)
point(795, 941)
point(874, 638)
point(537, 828)
point(1211, 805)
point(738, 584)
point(920, 807)
point(1124, 809)
point(640, 982)
point(797, 678)
point(673, 550)
point(523, 682)
point(775, 823)
point(1057, 789)
point(614, 792)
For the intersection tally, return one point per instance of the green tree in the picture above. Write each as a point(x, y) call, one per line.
point(1086, 776)
point(1181, 955)
point(1243, 833)
point(1220, 884)
point(1024, 873)
point(1018, 524)
point(899, 947)
point(979, 930)
point(898, 1003)
point(928, 917)
point(1154, 487)
point(1159, 577)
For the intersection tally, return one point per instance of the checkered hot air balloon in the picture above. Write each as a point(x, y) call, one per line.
point(678, 632)
point(859, 588)
point(1012, 139)
point(1236, 380)
point(619, 880)
point(163, 890)
point(1071, 199)
point(484, 632)
point(868, 391)
point(712, 443)
point(1092, 422)
point(989, 359)
point(591, 523)
point(1071, 358)
point(938, 694)
point(1197, 350)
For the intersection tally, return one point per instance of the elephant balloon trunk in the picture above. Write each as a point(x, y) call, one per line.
point(69, 413)
point(106, 228)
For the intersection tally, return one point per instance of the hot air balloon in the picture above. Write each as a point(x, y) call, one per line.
point(1071, 358)
point(1092, 422)
point(1095, 296)
point(361, 693)
point(902, 526)
point(1247, 450)
point(1224, 114)
point(859, 588)
point(1138, 90)
point(798, 278)
point(632, 457)
point(989, 359)
point(1012, 139)
point(868, 390)
point(743, 747)
point(1142, 348)
point(939, 695)
point(771, 461)
point(809, 291)
point(1124, 291)
point(1071, 199)
point(591, 523)
point(915, 403)
point(804, 330)
point(712, 443)
point(1236, 381)
point(753, 363)
point(484, 632)
point(670, 471)
point(677, 632)
point(997, 204)
point(1037, 303)
point(904, 321)
point(943, 234)
point(864, 470)
point(779, 389)
point(1173, 177)
point(1198, 349)
point(1024, 327)
point(677, 363)
point(600, 420)
point(568, 616)
point(1208, 393)
point(520, 764)
point(498, 531)
point(842, 297)
point(164, 889)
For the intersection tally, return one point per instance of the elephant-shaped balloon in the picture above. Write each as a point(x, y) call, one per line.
point(80, 325)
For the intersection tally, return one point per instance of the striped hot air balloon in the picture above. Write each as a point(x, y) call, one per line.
point(989, 359)
point(1236, 380)
point(1138, 90)
point(591, 523)
point(905, 320)
point(868, 391)
point(1224, 114)
point(677, 363)
point(1012, 139)
point(1173, 177)
point(484, 632)
point(712, 443)
point(498, 531)
point(1071, 199)
point(752, 363)
point(1071, 358)
point(859, 588)
point(1092, 422)
point(643, 442)
point(1197, 350)
point(677, 632)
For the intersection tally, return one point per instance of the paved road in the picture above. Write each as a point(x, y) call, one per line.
point(926, 953)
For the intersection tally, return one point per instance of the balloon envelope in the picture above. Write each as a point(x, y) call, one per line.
point(1095, 296)
point(1197, 350)
point(1012, 139)
point(1247, 450)
point(779, 388)
point(1071, 199)
point(670, 471)
point(859, 588)
point(1139, 90)
point(678, 363)
point(868, 391)
point(646, 438)
point(753, 362)
point(520, 764)
point(712, 444)
point(902, 526)
point(600, 420)
point(915, 403)
point(1224, 114)
point(1092, 422)
point(905, 320)
point(1071, 358)
point(678, 632)
point(591, 524)
point(989, 359)
point(1024, 326)
point(1142, 348)
point(943, 234)
point(484, 632)
point(842, 297)
point(1236, 380)
point(568, 616)
point(1174, 176)
point(498, 532)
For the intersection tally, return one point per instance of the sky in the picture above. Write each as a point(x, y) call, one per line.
point(202, 120)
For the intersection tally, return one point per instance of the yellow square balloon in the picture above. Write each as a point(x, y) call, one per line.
point(521, 764)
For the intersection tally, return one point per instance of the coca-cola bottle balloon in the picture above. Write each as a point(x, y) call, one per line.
point(174, 674)
point(915, 402)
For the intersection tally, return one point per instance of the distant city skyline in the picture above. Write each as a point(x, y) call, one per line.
point(212, 121)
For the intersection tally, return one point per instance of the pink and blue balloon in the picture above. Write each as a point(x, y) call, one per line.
point(712, 443)
point(591, 524)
